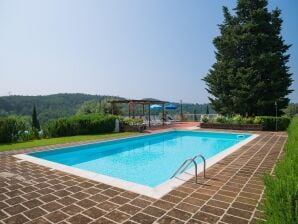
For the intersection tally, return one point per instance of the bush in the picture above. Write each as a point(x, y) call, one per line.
point(237, 119)
point(10, 129)
point(221, 119)
point(281, 205)
point(132, 121)
point(205, 119)
point(80, 125)
point(269, 123)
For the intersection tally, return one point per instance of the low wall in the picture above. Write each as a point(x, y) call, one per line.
point(134, 128)
point(248, 127)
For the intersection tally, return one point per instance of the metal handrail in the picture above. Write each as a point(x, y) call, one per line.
point(204, 161)
point(179, 170)
point(191, 160)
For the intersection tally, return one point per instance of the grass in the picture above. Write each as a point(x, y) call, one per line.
point(281, 205)
point(62, 140)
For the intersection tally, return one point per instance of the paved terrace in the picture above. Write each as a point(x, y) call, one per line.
point(34, 194)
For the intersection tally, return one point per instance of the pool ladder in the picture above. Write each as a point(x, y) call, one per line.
point(186, 164)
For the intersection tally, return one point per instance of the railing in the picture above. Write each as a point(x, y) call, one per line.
point(186, 164)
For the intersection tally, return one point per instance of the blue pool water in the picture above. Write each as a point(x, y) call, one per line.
point(148, 160)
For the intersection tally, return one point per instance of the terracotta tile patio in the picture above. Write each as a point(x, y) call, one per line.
point(231, 193)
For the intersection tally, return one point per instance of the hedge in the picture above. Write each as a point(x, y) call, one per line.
point(269, 123)
point(10, 129)
point(281, 192)
point(80, 125)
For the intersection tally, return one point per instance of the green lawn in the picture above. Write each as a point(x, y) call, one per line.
point(61, 140)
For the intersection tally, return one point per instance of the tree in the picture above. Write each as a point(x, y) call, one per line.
point(91, 106)
point(35, 122)
point(195, 117)
point(250, 72)
point(207, 110)
point(291, 110)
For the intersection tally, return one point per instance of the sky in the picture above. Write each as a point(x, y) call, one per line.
point(130, 48)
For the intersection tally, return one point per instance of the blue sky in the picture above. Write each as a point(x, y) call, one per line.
point(130, 48)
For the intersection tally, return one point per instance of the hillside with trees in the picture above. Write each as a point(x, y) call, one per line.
point(47, 107)
point(63, 105)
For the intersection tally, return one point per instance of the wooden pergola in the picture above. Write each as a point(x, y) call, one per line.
point(131, 106)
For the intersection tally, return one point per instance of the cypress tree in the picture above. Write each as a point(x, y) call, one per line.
point(250, 72)
point(195, 117)
point(35, 122)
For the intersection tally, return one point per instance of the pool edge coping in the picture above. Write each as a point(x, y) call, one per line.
point(156, 192)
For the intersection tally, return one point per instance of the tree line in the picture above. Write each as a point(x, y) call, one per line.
point(55, 106)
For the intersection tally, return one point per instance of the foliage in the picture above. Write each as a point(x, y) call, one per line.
point(80, 125)
point(132, 121)
point(269, 123)
point(10, 129)
point(62, 105)
point(90, 107)
point(50, 107)
point(291, 110)
point(237, 119)
point(61, 140)
point(35, 122)
point(195, 117)
point(102, 106)
point(221, 119)
point(251, 71)
point(207, 110)
point(205, 119)
point(281, 191)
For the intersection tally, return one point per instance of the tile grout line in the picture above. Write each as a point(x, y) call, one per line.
point(272, 170)
point(239, 169)
point(221, 170)
point(252, 175)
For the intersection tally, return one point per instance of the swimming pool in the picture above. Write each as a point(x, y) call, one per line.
point(147, 161)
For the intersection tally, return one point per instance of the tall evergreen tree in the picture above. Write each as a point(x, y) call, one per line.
point(251, 71)
point(207, 109)
point(35, 122)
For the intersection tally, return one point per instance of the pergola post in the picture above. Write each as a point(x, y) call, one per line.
point(143, 110)
point(131, 107)
point(133, 110)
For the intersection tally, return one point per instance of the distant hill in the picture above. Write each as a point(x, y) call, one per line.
point(62, 105)
point(48, 107)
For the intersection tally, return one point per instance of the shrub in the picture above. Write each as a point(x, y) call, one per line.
point(269, 123)
point(237, 119)
point(132, 121)
point(81, 125)
point(10, 129)
point(205, 119)
point(257, 120)
point(281, 205)
point(248, 120)
point(221, 119)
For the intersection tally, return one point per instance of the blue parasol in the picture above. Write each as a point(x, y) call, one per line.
point(155, 106)
point(171, 107)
